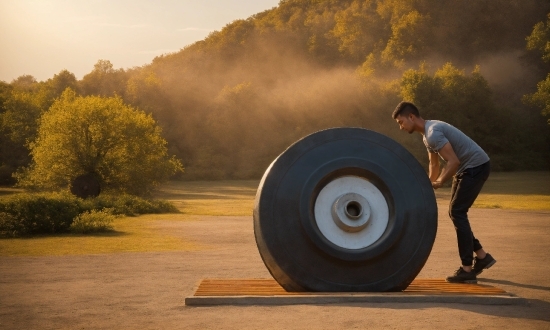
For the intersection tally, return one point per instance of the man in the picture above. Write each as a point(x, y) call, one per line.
point(469, 167)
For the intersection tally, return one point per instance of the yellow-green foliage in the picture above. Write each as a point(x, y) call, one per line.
point(292, 59)
point(541, 97)
point(539, 39)
point(229, 104)
point(30, 214)
point(93, 221)
point(27, 214)
point(449, 94)
point(127, 204)
point(21, 104)
point(22, 110)
point(80, 135)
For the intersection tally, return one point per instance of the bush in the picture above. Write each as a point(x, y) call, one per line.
point(28, 214)
point(93, 221)
point(9, 226)
point(128, 205)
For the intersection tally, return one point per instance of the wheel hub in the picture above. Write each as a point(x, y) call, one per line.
point(351, 212)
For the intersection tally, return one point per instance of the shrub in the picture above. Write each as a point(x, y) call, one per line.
point(28, 214)
point(93, 221)
point(9, 226)
point(128, 205)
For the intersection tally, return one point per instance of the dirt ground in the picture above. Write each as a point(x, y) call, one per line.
point(147, 290)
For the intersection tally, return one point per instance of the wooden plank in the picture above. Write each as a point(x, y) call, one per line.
point(269, 287)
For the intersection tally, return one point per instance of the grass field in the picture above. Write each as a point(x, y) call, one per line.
point(522, 191)
point(506, 190)
point(211, 197)
point(131, 234)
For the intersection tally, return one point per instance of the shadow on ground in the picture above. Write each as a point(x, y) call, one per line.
point(109, 233)
point(527, 286)
point(534, 309)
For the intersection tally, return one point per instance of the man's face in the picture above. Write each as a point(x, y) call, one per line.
point(405, 123)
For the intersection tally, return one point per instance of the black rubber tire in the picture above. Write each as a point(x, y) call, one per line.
point(298, 255)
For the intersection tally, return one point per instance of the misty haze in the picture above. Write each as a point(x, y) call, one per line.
point(229, 104)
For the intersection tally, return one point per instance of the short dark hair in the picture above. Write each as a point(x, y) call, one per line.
point(404, 109)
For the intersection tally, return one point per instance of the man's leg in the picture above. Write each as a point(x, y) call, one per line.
point(466, 188)
point(478, 249)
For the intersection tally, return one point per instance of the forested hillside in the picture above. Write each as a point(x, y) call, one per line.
point(229, 104)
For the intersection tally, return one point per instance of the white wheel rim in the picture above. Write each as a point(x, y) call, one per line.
point(358, 230)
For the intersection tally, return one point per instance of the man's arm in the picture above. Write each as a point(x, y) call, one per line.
point(448, 154)
point(433, 166)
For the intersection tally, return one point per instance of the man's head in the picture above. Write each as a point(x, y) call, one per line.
point(406, 114)
point(404, 109)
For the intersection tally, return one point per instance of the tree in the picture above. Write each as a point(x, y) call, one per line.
point(79, 135)
point(25, 82)
point(358, 30)
point(541, 98)
point(540, 40)
point(464, 101)
point(27, 100)
point(7, 147)
point(145, 91)
point(22, 104)
point(61, 81)
point(104, 80)
point(409, 28)
point(299, 58)
point(22, 109)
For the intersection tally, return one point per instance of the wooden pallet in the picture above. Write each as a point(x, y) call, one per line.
point(269, 287)
point(269, 292)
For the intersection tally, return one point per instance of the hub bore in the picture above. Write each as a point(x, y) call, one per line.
point(351, 212)
point(354, 210)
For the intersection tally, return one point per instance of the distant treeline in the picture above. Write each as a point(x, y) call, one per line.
point(229, 104)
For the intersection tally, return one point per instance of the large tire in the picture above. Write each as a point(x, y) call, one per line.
point(308, 246)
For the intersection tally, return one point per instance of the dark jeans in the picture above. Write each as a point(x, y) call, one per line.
point(466, 187)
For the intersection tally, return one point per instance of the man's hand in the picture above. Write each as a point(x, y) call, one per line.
point(436, 184)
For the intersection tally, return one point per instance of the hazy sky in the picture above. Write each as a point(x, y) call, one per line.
point(43, 37)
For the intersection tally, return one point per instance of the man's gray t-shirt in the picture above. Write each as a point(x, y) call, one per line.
point(438, 133)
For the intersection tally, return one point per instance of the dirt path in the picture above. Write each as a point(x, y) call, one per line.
point(147, 290)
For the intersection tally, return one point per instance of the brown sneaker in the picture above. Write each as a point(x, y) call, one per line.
point(462, 276)
point(481, 264)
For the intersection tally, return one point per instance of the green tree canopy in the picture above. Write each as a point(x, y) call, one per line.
point(27, 100)
point(80, 135)
point(61, 81)
point(232, 102)
point(104, 80)
point(462, 100)
point(22, 105)
point(22, 111)
point(541, 98)
point(540, 40)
